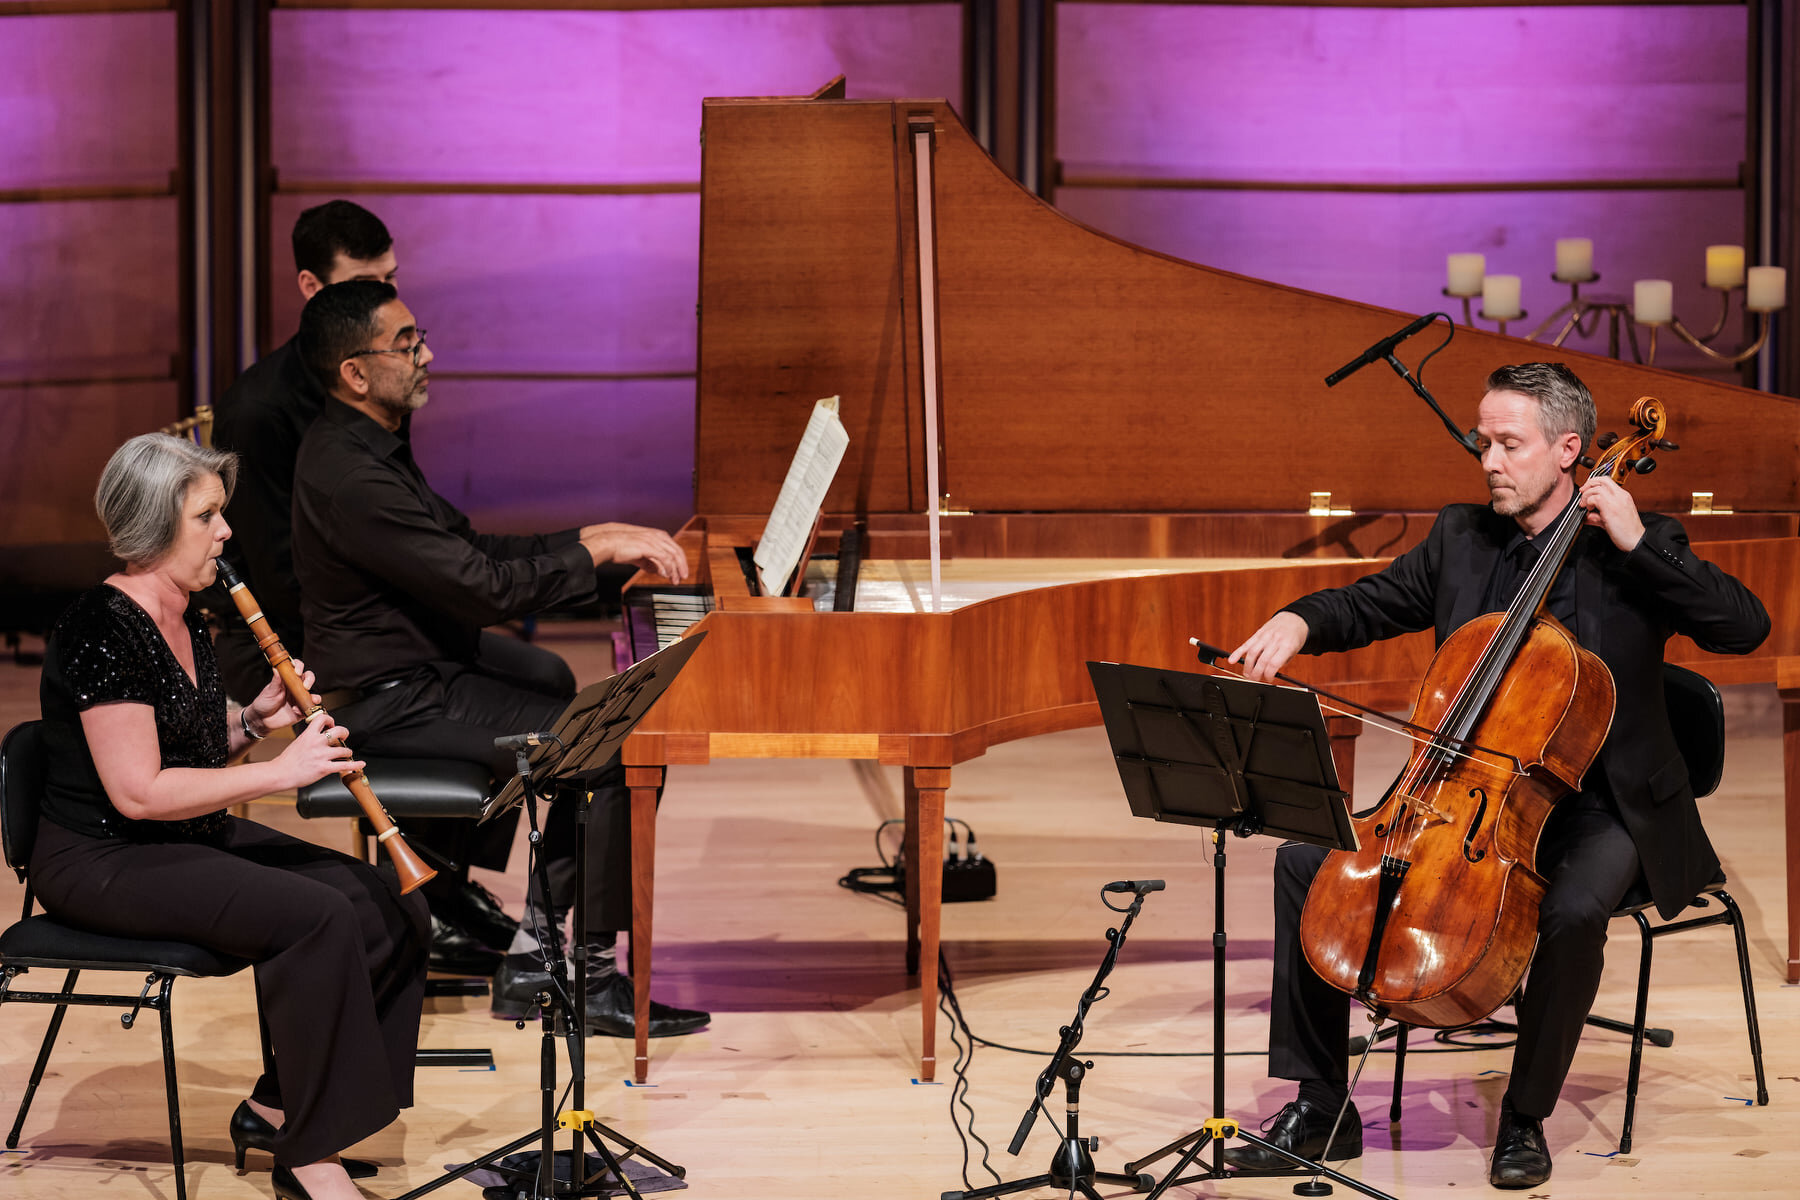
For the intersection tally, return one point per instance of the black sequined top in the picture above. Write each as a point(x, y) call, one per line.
point(106, 648)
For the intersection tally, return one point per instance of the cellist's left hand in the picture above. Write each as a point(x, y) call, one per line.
point(1611, 508)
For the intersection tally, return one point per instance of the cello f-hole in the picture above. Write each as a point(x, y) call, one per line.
point(1475, 826)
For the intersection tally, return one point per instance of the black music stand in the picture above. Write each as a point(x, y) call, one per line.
point(1238, 757)
point(584, 741)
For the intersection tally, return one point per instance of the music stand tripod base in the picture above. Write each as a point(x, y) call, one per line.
point(1221, 1128)
point(1233, 756)
point(587, 736)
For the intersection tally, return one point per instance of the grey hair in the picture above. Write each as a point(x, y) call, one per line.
point(144, 486)
point(1564, 403)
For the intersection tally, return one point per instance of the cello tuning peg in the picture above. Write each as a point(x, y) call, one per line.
point(1605, 440)
point(1644, 466)
point(1663, 444)
point(1586, 461)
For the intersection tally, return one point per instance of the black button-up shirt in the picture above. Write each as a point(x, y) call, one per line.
point(261, 418)
point(1517, 558)
point(392, 575)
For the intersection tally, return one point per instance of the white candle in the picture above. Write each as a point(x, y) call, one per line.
point(1767, 289)
point(1724, 266)
point(1653, 301)
point(1466, 271)
point(1500, 297)
point(1574, 259)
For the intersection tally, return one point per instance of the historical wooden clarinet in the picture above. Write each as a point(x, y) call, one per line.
point(413, 871)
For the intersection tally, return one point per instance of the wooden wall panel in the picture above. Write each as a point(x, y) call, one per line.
point(87, 100)
point(1390, 94)
point(1389, 249)
point(56, 439)
point(571, 96)
point(531, 457)
point(540, 283)
point(89, 285)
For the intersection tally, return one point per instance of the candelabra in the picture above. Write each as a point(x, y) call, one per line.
point(1652, 304)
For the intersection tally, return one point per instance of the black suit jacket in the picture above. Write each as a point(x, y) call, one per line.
point(1627, 605)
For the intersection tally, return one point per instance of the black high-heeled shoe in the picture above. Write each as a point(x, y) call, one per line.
point(249, 1131)
point(287, 1187)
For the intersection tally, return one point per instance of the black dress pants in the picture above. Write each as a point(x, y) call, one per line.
point(339, 953)
point(1589, 862)
point(455, 711)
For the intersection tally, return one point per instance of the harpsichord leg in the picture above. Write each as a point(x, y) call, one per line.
point(645, 784)
point(925, 788)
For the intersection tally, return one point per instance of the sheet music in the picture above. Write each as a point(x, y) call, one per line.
point(815, 464)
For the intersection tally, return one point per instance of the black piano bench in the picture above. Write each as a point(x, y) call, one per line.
point(409, 788)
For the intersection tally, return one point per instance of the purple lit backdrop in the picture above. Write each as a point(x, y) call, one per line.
point(595, 283)
point(606, 283)
point(91, 287)
point(59, 126)
point(1409, 96)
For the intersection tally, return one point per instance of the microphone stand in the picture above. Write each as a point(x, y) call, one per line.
point(1465, 440)
point(1072, 1166)
point(1384, 349)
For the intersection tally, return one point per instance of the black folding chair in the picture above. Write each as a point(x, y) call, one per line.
point(42, 941)
point(1697, 713)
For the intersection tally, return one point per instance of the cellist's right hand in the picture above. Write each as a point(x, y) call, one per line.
point(318, 750)
point(1269, 648)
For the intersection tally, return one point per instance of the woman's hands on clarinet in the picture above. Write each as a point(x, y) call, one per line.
point(318, 750)
point(272, 709)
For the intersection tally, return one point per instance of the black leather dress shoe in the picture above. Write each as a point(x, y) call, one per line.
point(610, 1012)
point(476, 911)
point(456, 951)
point(1300, 1128)
point(513, 997)
point(250, 1132)
point(513, 992)
point(1521, 1159)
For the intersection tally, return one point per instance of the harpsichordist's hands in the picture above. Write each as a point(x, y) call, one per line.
point(639, 545)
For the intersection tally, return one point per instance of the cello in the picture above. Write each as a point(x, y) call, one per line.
point(1432, 919)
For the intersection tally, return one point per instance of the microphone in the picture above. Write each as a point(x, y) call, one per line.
point(1140, 886)
point(1378, 351)
point(519, 741)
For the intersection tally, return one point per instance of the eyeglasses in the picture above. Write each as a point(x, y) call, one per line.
point(414, 349)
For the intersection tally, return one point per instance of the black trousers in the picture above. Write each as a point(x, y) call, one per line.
point(339, 953)
point(1589, 862)
point(455, 711)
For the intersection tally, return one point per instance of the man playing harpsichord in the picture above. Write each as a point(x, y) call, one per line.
point(398, 587)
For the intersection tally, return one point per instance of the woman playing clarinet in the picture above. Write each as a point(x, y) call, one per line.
point(136, 840)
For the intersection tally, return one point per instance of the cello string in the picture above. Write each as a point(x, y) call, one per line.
point(1503, 646)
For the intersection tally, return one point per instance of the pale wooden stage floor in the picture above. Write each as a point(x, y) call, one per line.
point(802, 1087)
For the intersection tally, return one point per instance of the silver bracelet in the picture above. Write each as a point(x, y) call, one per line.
point(244, 720)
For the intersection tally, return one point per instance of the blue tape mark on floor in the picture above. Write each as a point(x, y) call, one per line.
point(1741, 1100)
point(1591, 1154)
point(1491, 1072)
point(629, 1083)
point(490, 1067)
point(926, 1083)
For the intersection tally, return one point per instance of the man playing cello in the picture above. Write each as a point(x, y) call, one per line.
point(1629, 583)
